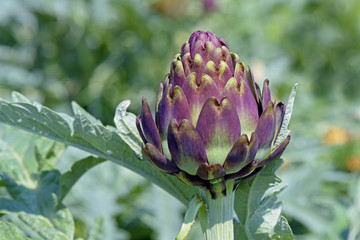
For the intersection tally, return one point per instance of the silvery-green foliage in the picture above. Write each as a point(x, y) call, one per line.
point(284, 130)
point(88, 134)
point(32, 208)
point(258, 208)
point(318, 195)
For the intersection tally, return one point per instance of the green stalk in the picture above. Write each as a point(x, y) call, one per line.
point(216, 216)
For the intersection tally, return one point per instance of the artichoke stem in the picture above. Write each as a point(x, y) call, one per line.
point(216, 215)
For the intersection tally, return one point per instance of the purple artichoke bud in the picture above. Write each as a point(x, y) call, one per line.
point(212, 122)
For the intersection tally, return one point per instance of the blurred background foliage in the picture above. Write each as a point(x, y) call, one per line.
point(100, 52)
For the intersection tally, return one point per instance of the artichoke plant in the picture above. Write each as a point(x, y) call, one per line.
point(213, 125)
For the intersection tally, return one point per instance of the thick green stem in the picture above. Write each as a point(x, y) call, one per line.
point(217, 215)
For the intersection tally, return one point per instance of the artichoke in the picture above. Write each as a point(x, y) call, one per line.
point(212, 122)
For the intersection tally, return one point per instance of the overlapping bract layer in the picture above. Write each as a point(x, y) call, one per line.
point(212, 121)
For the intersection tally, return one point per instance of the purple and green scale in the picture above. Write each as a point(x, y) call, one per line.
point(212, 121)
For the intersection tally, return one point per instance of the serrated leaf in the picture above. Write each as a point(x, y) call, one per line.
point(282, 230)
point(18, 97)
point(33, 202)
point(81, 132)
point(257, 208)
point(77, 109)
point(68, 179)
point(125, 123)
point(284, 130)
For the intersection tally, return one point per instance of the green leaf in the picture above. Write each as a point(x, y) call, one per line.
point(257, 206)
point(33, 187)
point(126, 124)
point(47, 160)
point(282, 230)
point(21, 155)
point(315, 207)
point(118, 145)
point(68, 179)
point(18, 97)
point(40, 199)
point(284, 130)
point(77, 109)
point(34, 226)
point(39, 205)
point(10, 231)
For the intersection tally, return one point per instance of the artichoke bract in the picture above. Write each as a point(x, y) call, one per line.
point(212, 121)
